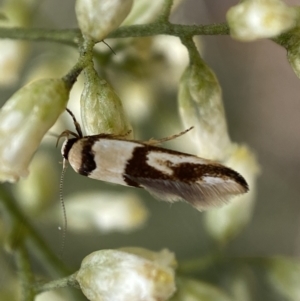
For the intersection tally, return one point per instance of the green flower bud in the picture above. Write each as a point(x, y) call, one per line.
point(145, 11)
point(201, 106)
point(40, 188)
point(126, 275)
point(24, 120)
point(97, 18)
point(255, 19)
point(14, 13)
point(101, 108)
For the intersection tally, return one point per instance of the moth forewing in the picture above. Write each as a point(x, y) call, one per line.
point(174, 176)
point(166, 174)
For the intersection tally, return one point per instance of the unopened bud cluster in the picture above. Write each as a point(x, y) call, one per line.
point(127, 275)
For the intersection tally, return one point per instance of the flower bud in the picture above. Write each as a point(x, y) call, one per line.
point(201, 106)
point(255, 19)
point(104, 212)
point(101, 108)
point(145, 11)
point(13, 53)
point(225, 223)
point(24, 120)
point(40, 188)
point(124, 276)
point(97, 18)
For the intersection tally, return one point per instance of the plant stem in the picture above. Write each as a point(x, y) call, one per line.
point(25, 274)
point(194, 54)
point(52, 263)
point(167, 28)
point(166, 11)
point(66, 36)
point(60, 283)
point(72, 36)
point(85, 59)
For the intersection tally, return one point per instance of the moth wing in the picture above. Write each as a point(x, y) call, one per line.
point(211, 192)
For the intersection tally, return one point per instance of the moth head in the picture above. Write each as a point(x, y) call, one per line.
point(66, 146)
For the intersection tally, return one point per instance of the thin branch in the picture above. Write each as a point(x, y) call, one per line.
point(194, 54)
point(65, 36)
point(25, 273)
point(69, 281)
point(166, 11)
point(178, 30)
point(52, 263)
point(72, 36)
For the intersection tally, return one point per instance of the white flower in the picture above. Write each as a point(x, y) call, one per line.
point(24, 120)
point(97, 18)
point(254, 19)
point(127, 275)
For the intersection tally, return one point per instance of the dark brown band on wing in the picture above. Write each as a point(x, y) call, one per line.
point(88, 163)
point(137, 167)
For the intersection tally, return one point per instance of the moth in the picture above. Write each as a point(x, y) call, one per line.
point(166, 174)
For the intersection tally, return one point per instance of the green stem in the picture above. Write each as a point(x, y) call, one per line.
point(69, 281)
point(52, 262)
point(167, 28)
point(25, 274)
point(166, 11)
point(72, 36)
point(194, 54)
point(85, 58)
point(66, 36)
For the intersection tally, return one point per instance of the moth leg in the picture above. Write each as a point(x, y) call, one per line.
point(159, 141)
point(65, 133)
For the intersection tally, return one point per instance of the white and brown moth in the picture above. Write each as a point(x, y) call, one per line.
point(166, 174)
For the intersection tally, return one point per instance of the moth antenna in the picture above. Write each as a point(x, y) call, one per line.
point(109, 47)
point(77, 125)
point(62, 203)
point(158, 141)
